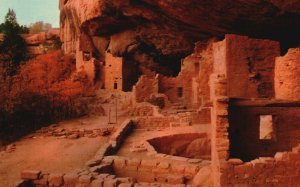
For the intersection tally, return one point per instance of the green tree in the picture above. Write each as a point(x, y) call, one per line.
point(13, 49)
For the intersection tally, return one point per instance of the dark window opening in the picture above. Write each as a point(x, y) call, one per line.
point(180, 92)
point(86, 56)
point(115, 85)
point(256, 131)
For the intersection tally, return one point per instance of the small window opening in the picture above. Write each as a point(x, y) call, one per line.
point(266, 128)
point(86, 56)
point(115, 85)
point(180, 92)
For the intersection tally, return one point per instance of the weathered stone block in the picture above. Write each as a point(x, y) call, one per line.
point(93, 162)
point(178, 168)
point(163, 165)
point(235, 161)
point(97, 183)
point(242, 169)
point(70, 179)
point(126, 180)
point(85, 180)
point(148, 164)
point(175, 179)
point(119, 163)
point(191, 171)
point(133, 164)
point(102, 176)
point(30, 174)
point(42, 181)
point(125, 185)
point(110, 183)
point(55, 180)
point(108, 160)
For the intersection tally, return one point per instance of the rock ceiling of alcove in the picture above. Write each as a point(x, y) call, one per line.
point(200, 19)
point(166, 30)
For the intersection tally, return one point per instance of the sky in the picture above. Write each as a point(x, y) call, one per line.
point(31, 11)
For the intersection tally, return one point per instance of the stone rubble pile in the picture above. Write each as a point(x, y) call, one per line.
point(74, 133)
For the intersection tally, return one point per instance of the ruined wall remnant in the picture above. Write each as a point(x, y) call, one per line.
point(145, 88)
point(191, 86)
point(245, 68)
point(205, 51)
point(219, 122)
point(287, 80)
point(249, 65)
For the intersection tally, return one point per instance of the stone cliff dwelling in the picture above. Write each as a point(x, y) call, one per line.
point(212, 102)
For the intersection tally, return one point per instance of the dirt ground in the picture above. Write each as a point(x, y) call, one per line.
point(51, 154)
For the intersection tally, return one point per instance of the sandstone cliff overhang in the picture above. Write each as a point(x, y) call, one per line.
point(275, 19)
point(166, 31)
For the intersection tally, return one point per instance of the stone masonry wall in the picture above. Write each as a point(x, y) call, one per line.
point(113, 72)
point(144, 88)
point(205, 70)
point(170, 86)
point(219, 120)
point(250, 66)
point(280, 170)
point(287, 80)
point(248, 72)
point(153, 170)
point(178, 120)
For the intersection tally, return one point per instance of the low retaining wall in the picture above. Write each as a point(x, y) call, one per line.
point(115, 141)
point(173, 120)
point(280, 170)
point(81, 178)
point(75, 133)
point(152, 170)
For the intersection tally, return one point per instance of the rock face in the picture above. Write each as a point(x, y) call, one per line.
point(158, 34)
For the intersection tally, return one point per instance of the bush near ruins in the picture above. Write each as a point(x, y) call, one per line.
point(45, 90)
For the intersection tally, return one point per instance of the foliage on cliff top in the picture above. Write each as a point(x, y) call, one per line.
point(13, 49)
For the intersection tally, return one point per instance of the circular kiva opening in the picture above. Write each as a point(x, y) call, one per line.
point(190, 145)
